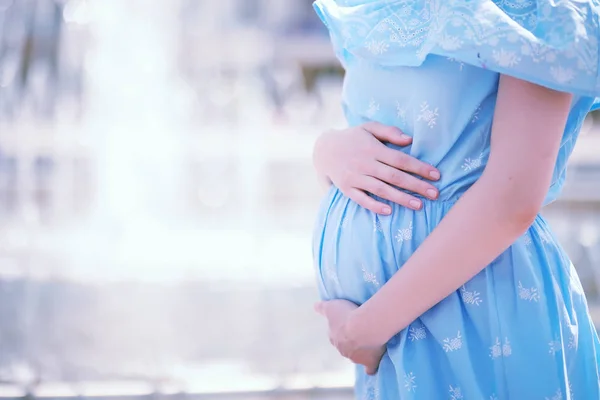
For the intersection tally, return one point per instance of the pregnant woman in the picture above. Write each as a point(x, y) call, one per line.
point(457, 288)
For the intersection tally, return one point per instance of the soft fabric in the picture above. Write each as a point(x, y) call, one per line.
point(520, 329)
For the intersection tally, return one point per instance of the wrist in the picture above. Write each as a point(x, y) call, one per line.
point(361, 331)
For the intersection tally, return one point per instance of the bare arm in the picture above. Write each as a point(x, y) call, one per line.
point(528, 125)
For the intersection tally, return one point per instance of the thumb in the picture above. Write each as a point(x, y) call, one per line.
point(389, 134)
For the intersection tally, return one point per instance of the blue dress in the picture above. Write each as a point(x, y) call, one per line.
point(519, 330)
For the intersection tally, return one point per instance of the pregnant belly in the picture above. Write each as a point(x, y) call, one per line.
point(356, 251)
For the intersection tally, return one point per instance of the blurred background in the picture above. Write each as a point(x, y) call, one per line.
point(157, 199)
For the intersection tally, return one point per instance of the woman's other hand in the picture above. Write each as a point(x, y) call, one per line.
point(357, 162)
point(337, 313)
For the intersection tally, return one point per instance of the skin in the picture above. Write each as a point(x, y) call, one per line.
point(528, 125)
point(356, 161)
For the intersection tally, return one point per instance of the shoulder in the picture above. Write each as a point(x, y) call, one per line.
point(551, 43)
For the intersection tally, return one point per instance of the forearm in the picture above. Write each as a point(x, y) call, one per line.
point(442, 265)
point(528, 125)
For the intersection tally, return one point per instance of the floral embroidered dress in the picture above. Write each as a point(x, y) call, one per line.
point(519, 330)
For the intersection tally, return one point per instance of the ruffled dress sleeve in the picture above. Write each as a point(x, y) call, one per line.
point(548, 42)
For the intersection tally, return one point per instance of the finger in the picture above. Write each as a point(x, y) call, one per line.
point(396, 177)
point(370, 370)
point(365, 201)
point(385, 191)
point(405, 162)
point(386, 133)
point(320, 308)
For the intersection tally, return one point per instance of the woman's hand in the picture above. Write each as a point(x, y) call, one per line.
point(356, 161)
point(337, 313)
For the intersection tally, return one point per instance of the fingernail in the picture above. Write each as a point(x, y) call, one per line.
point(432, 193)
point(386, 210)
point(405, 136)
point(416, 204)
point(434, 174)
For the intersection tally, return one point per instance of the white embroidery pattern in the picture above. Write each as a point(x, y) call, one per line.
point(527, 239)
point(455, 393)
point(506, 348)
point(472, 163)
point(372, 109)
point(476, 113)
point(410, 382)
point(453, 344)
point(377, 225)
point(405, 233)
point(572, 397)
point(493, 397)
point(528, 294)
point(377, 47)
point(505, 58)
point(346, 34)
point(554, 347)
point(450, 43)
point(498, 349)
point(470, 297)
point(371, 393)
point(559, 54)
point(371, 389)
point(545, 237)
point(428, 115)
point(369, 277)
point(562, 75)
point(382, 27)
point(416, 333)
point(557, 396)
point(400, 111)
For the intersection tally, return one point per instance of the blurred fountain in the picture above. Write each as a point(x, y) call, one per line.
point(134, 125)
point(139, 129)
